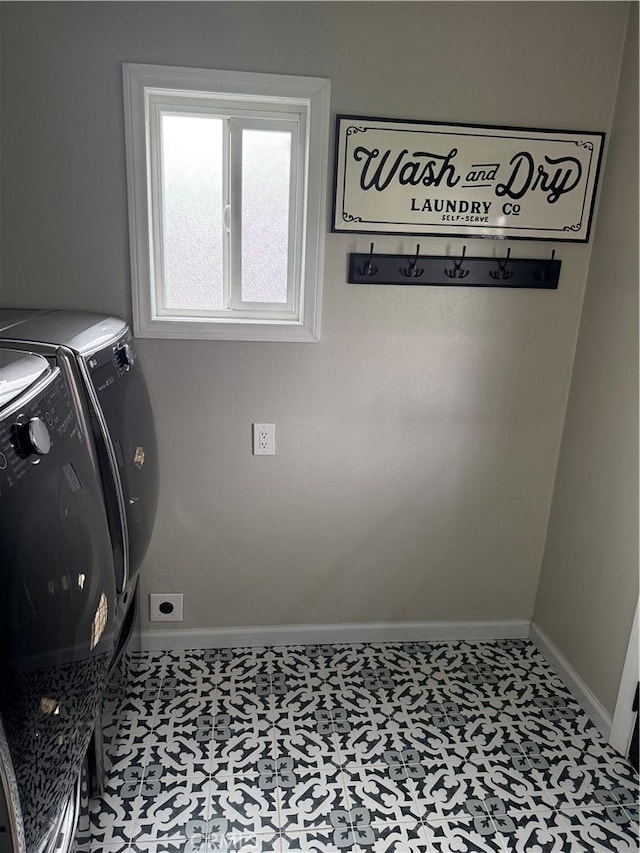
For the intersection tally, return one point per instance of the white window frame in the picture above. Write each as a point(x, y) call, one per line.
point(301, 104)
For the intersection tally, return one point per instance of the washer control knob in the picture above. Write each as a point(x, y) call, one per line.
point(34, 437)
point(124, 356)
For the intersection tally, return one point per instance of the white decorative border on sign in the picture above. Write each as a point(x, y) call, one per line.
point(412, 177)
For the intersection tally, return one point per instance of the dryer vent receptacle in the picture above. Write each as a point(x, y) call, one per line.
point(165, 607)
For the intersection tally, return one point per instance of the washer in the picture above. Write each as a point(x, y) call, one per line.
point(105, 370)
point(57, 602)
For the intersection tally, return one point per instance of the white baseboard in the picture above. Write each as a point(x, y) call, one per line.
point(301, 635)
point(581, 693)
point(624, 717)
point(182, 639)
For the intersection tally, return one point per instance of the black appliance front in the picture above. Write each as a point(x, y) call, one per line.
point(116, 377)
point(101, 354)
point(57, 604)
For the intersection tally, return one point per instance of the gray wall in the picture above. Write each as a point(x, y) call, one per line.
point(589, 581)
point(417, 443)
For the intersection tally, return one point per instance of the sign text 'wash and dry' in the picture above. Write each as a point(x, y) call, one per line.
point(423, 178)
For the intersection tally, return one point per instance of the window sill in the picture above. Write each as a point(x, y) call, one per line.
point(226, 330)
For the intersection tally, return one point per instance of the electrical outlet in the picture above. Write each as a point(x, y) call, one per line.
point(165, 607)
point(264, 439)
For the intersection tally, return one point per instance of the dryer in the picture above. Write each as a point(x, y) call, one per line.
point(106, 372)
point(109, 377)
point(57, 602)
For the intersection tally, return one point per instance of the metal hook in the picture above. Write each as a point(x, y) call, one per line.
point(502, 271)
point(368, 269)
point(542, 271)
point(456, 270)
point(412, 270)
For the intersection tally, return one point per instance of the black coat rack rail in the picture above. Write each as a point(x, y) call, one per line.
point(369, 268)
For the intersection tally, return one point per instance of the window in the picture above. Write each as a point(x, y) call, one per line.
point(226, 182)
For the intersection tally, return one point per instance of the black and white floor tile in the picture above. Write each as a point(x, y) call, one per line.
point(445, 747)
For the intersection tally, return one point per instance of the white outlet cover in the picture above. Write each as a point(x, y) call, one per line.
point(264, 439)
point(159, 602)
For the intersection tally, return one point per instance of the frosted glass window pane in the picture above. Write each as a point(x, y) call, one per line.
point(192, 182)
point(266, 165)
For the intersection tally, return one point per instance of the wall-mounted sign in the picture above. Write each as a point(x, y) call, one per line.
point(413, 177)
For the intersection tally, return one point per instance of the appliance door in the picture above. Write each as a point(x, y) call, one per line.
point(117, 380)
point(57, 605)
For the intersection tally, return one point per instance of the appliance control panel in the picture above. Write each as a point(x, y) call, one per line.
point(28, 434)
point(110, 364)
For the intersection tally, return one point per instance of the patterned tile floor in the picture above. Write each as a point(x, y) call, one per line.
point(457, 747)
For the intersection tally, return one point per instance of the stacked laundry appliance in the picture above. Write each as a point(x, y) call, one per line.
point(95, 356)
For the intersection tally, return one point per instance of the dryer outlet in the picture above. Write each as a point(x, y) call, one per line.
point(165, 607)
